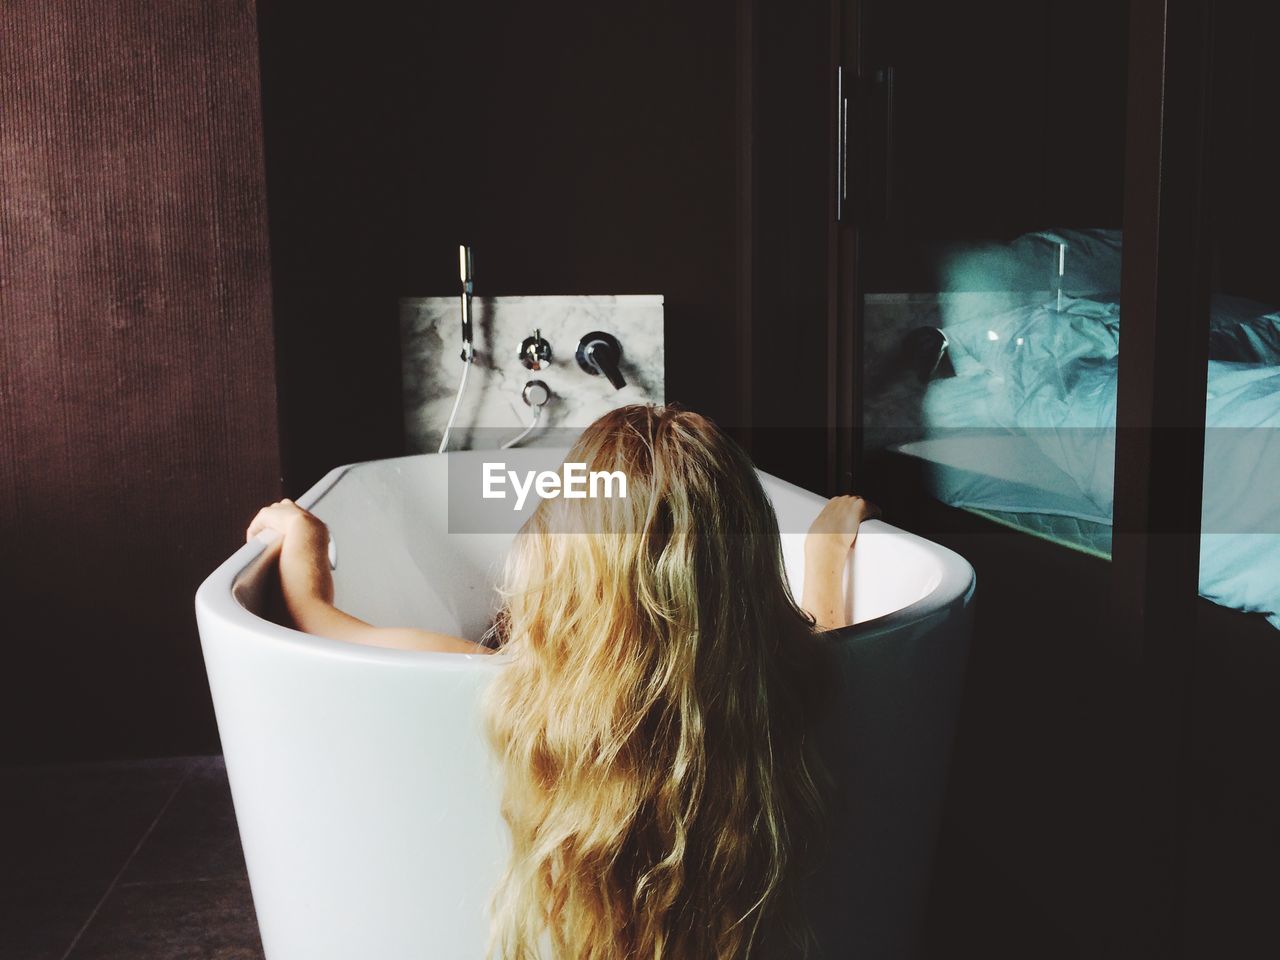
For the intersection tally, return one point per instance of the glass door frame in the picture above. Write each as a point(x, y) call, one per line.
point(1160, 436)
point(1160, 403)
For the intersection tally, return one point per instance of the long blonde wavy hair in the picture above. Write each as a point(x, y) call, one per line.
point(661, 786)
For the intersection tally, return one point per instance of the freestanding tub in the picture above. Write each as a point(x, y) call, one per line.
point(368, 802)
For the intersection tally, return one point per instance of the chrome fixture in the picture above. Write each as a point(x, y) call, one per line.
point(468, 350)
point(535, 353)
point(536, 394)
point(925, 351)
point(600, 353)
point(468, 287)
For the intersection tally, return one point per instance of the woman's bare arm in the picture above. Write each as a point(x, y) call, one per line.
point(307, 584)
point(826, 552)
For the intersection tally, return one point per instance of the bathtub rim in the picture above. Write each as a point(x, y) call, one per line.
point(216, 600)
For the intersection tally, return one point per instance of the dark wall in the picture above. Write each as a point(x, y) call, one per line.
point(791, 191)
point(1007, 116)
point(334, 90)
point(1244, 190)
point(579, 147)
point(138, 420)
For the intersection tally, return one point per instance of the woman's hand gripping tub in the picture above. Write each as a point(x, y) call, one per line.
point(302, 544)
point(826, 553)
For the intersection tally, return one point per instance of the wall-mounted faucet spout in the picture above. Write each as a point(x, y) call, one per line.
point(600, 353)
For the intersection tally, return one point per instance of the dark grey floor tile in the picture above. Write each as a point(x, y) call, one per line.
point(58, 821)
point(975, 910)
point(191, 920)
point(196, 839)
point(40, 918)
point(65, 833)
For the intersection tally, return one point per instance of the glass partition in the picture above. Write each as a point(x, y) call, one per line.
point(990, 283)
point(1240, 523)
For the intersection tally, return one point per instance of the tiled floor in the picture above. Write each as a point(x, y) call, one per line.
point(975, 910)
point(142, 861)
point(131, 860)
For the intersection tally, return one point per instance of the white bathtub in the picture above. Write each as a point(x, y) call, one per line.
point(366, 797)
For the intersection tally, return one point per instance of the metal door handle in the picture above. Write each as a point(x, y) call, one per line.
point(842, 146)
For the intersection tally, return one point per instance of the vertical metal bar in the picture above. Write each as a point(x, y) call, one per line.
point(889, 107)
point(842, 144)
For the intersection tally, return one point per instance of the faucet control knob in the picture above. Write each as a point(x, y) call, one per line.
point(601, 353)
point(535, 353)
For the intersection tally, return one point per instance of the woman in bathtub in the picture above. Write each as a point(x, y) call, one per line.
point(661, 786)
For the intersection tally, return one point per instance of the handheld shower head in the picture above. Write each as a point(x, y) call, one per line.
point(468, 351)
point(464, 266)
point(468, 286)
